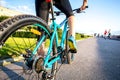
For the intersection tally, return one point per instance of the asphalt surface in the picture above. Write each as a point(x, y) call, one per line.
point(97, 59)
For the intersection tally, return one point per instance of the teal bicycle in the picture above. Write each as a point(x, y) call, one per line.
point(18, 35)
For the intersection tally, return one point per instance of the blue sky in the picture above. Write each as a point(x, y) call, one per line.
point(101, 14)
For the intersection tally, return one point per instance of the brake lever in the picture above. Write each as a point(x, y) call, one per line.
point(86, 6)
point(80, 11)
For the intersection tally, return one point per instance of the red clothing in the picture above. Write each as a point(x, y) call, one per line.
point(105, 32)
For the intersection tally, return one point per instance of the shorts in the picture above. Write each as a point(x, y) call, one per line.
point(42, 8)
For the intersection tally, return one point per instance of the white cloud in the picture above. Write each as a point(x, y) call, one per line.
point(23, 8)
point(3, 3)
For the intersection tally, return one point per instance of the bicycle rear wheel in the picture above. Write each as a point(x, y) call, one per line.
point(70, 56)
point(18, 35)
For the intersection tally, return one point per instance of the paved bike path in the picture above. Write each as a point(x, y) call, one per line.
point(97, 59)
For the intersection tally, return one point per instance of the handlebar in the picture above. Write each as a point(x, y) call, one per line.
point(74, 11)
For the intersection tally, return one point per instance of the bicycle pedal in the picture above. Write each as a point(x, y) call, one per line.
point(73, 51)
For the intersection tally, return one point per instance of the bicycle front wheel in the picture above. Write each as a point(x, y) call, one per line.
point(18, 35)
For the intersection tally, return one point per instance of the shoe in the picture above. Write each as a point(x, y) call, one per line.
point(72, 44)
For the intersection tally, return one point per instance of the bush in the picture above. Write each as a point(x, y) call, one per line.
point(82, 35)
point(3, 18)
point(24, 34)
point(77, 36)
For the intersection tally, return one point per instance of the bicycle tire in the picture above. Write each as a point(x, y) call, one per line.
point(12, 25)
point(69, 56)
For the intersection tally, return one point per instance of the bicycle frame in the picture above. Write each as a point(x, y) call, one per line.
point(54, 26)
point(47, 63)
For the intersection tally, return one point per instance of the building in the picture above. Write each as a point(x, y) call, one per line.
point(8, 12)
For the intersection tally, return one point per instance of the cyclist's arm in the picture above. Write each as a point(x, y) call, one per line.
point(83, 7)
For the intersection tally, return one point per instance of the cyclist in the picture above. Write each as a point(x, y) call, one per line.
point(42, 11)
point(105, 34)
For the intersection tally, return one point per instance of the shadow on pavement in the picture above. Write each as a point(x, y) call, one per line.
point(108, 52)
point(10, 73)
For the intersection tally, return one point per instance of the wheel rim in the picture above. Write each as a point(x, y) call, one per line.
point(16, 45)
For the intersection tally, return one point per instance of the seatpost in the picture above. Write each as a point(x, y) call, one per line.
point(52, 11)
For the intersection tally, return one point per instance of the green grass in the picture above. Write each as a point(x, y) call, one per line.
point(11, 50)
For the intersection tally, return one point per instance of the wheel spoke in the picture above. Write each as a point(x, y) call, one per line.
point(18, 38)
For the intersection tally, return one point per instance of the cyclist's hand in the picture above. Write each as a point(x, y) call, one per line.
point(84, 6)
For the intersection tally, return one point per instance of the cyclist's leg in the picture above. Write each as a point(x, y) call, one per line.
point(72, 41)
point(71, 21)
point(42, 9)
point(65, 7)
point(41, 50)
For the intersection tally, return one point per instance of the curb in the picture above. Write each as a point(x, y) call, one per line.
point(10, 60)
